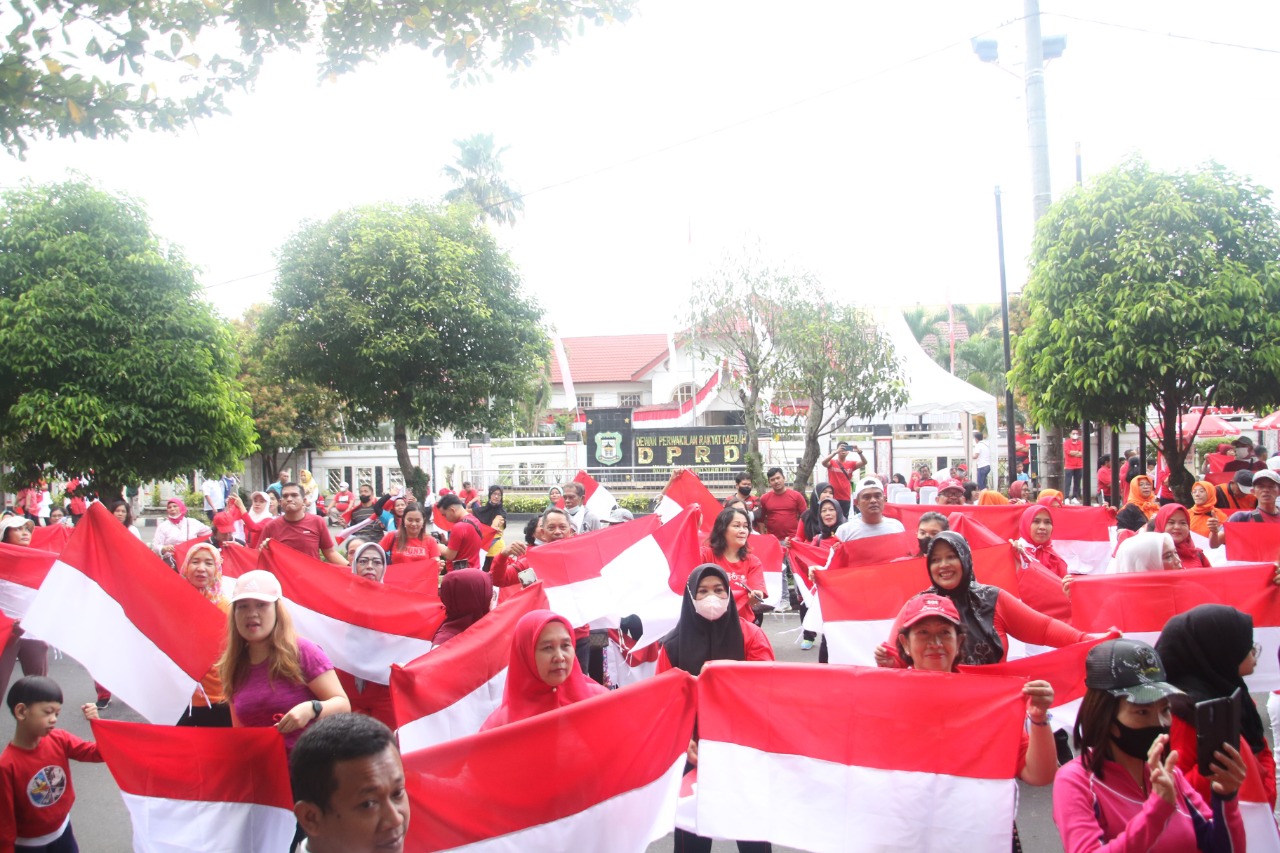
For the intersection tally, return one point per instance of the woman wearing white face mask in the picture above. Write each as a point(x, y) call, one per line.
point(710, 629)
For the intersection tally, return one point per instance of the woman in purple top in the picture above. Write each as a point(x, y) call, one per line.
point(272, 676)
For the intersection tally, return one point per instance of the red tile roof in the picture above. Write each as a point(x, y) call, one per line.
point(611, 358)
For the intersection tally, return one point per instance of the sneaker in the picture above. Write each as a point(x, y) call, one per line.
point(806, 644)
point(103, 704)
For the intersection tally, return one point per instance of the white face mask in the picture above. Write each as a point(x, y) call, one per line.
point(711, 608)
point(1242, 453)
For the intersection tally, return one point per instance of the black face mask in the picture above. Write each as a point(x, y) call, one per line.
point(1136, 743)
point(744, 490)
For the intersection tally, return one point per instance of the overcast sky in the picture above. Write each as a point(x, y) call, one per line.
point(860, 142)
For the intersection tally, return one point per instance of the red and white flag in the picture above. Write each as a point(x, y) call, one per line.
point(198, 789)
point(1249, 542)
point(859, 605)
point(140, 630)
point(639, 568)
point(22, 570)
point(1083, 535)
point(363, 626)
point(447, 693)
point(686, 490)
point(602, 774)
point(487, 533)
point(899, 776)
point(598, 499)
point(1140, 605)
point(51, 537)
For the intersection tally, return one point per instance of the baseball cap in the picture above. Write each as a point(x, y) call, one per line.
point(1242, 441)
point(618, 515)
point(1266, 474)
point(1244, 480)
point(10, 521)
point(867, 483)
point(258, 585)
point(950, 483)
point(1128, 668)
point(924, 606)
point(223, 523)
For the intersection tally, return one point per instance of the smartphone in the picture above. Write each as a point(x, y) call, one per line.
point(527, 577)
point(461, 564)
point(1217, 722)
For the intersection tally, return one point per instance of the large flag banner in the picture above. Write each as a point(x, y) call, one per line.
point(1250, 542)
point(1140, 605)
point(640, 567)
point(868, 761)
point(1083, 535)
point(686, 490)
point(600, 775)
point(200, 790)
point(22, 570)
point(859, 605)
point(448, 692)
point(363, 626)
point(598, 499)
point(875, 550)
point(140, 630)
point(51, 537)
point(768, 550)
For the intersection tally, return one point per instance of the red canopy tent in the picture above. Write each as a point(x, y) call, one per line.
point(1209, 426)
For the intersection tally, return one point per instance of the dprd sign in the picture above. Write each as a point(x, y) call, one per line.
point(692, 446)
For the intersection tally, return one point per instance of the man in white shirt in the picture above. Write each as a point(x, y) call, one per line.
point(215, 495)
point(583, 519)
point(981, 459)
point(869, 501)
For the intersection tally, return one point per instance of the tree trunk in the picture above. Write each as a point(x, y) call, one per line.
point(812, 424)
point(1180, 480)
point(751, 420)
point(1051, 458)
point(415, 479)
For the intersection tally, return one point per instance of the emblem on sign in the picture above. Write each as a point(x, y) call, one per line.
point(609, 448)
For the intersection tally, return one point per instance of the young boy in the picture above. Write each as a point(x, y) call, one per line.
point(35, 781)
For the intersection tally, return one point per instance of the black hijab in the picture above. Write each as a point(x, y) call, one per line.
point(696, 640)
point(811, 518)
point(1202, 650)
point(489, 511)
point(976, 603)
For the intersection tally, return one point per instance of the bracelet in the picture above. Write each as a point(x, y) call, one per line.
point(1047, 718)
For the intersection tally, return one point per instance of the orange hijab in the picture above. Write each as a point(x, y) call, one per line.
point(1150, 506)
point(990, 497)
point(1199, 514)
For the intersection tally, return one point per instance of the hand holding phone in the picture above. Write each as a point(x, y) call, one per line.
point(1217, 724)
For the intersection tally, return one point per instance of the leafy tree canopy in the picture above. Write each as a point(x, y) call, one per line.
point(477, 175)
point(1153, 289)
point(409, 313)
point(103, 67)
point(113, 364)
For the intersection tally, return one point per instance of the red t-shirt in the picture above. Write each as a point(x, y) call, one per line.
point(38, 795)
point(841, 478)
point(782, 511)
point(308, 535)
point(414, 549)
point(467, 496)
point(1070, 462)
point(464, 541)
point(343, 499)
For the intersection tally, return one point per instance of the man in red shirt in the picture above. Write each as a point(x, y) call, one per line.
point(1073, 465)
point(464, 538)
point(342, 501)
point(840, 473)
point(300, 530)
point(742, 483)
point(780, 507)
point(467, 493)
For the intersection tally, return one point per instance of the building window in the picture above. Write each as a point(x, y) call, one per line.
point(684, 393)
point(364, 477)
point(586, 401)
point(335, 479)
point(629, 400)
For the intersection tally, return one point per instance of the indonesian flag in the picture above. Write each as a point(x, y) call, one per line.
point(859, 605)
point(6, 630)
point(599, 499)
point(363, 626)
point(639, 568)
point(22, 570)
point(417, 576)
point(140, 630)
point(203, 790)
point(874, 550)
point(686, 490)
point(1081, 534)
point(51, 537)
point(896, 774)
point(487, 533)
point(1140, 605)
point(236, 560)
point(601, 774)
point(1250, 542)
point(447, 693)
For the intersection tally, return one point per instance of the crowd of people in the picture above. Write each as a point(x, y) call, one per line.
point(1134, 782)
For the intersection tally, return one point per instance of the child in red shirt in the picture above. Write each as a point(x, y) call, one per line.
point(35, 804)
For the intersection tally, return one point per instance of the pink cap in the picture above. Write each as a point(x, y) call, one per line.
point(258, 585)
point(924, 606)
point(950, 483)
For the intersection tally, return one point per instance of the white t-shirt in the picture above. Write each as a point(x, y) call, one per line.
point(856, 528)
point(981, 455)
point(215, 497)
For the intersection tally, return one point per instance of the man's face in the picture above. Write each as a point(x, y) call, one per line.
point(285, 476)
point(291, 501)
point(572, 499)
point(951, 497)
point(1266, 491)
point(369, 811)
point(778, 482)
point(366, 494)
point(556, 526)
point(871, 505)
point(455, 513)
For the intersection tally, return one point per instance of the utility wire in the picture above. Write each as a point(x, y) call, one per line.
point(1177, 36)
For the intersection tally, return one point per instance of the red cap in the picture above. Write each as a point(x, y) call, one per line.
point(223, 523)
point(924, 606)
point(950, 483)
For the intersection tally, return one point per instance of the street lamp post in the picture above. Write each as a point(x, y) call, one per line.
point(1009, 427)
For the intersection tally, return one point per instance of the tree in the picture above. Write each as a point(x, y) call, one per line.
point(102, 68)
point(112, 363)
point(733, 313)
point(837, 358)
point(477, 173)
point(288, 414)
point(410, 313)
point(1153, 289)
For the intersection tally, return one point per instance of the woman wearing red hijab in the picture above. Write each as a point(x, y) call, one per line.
point(466, 595)
point(1176, 521)
point(1036, 529)
point(543, 673)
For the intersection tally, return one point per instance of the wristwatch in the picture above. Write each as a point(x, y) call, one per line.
point(316, 707)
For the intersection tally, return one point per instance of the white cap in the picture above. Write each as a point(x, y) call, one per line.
point(1266, 474)
point(867, 483)
point(258, 585)
point(10, 521)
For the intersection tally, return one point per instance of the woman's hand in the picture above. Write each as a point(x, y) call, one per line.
point(1276, 578)
point(756, 594)
point(1163, 782)
point(1066, 584)
point(297, 718)
point(692, 753)
point(1019, 546)
point(1228, 769)
point(1039, 699)
point(885, 657)
point(89, 710)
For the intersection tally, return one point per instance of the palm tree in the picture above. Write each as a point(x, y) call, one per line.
point(477, 175)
